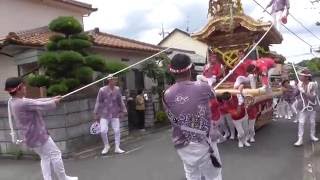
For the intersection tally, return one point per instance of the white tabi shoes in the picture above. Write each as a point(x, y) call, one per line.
point(247, 144)
point(118, 150)
point(299, 142)
point(252, 140)
point(105, 149)
point(314, 139)
point(240, 144)
point(71, 178)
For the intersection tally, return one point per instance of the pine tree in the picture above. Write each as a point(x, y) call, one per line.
point(66, 63)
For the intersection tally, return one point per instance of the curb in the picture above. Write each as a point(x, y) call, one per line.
point(131, 138)
point(311, 169)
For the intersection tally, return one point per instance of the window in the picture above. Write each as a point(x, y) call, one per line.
point(125, 59)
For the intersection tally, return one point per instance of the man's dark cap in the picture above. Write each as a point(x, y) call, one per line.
point(180, 63)
point(13, 83)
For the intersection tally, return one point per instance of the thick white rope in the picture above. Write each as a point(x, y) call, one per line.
point(12, 133)
point(308, 106)
point(245, 57)
point(113, 74)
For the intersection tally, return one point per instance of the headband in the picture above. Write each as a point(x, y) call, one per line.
point(176, 71)
point(12, 90)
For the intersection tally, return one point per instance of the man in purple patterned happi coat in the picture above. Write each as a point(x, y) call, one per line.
point(187, 107)
point(280, 11)
point(108, 109)
point(32, 131)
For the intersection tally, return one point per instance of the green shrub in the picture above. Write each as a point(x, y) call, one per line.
point(48, 58)
point(66, 25)
point(84, 74)
point(52, 46)
point(82, 36)
point(71, 57)
point(38, 80)
point(73, 44)
point(56, 38)
point(66, 63)
point(64, 44)
point(71, 83)
point(114, 66)
point(161, 117)
point(96, 62)
point(57, 89)
point(78, 44)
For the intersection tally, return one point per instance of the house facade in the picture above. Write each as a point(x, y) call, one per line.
point(182, 40)
point(20, 47)
point(29, 14)
point(184, 43)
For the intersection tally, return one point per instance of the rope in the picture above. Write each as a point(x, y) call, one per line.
point(304, 26)
point(111, 75)
point(12, 133)
point(245, 57)
point(308, 106)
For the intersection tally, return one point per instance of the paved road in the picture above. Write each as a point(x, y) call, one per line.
point(153, 158)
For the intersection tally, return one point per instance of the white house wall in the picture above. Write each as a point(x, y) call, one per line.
point(8, 69)
point(18, 15)
point(182, 41)
point(134, 56)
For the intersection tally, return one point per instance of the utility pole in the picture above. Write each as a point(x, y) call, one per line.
point(163, 33)
point(188, 28)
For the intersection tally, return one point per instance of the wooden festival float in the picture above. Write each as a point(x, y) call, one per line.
point(228, 33)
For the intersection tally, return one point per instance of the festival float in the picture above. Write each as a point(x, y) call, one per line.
point(230, 33)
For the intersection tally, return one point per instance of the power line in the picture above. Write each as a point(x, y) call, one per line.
point(304, 26)
point(298, 55)
point(285, 26)
point(314, 1)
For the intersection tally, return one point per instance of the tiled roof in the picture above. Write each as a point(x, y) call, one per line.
point(109, 40)
point(40, 36)
point(35, 37)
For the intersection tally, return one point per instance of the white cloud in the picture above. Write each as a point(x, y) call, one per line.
point(116, 17)
point(149, 36)
point(165, 13)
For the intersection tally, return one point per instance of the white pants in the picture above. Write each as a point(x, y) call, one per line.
point(277, 19)
point(228, 120)
point(242, 128)
point(222, 127)
point(104, 125)
point(311, 116)
point(51, 155)
point(294, 107)
point(215, 132)
point(196, 161)
point(285, 109)
point(210, 80)
point(251, 131)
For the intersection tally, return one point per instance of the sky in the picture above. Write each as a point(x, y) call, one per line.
point(142, 20)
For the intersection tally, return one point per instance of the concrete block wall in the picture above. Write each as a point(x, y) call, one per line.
point(68, 125)
point(150, 110)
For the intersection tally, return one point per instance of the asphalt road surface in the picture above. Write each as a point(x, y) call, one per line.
point(153, 157)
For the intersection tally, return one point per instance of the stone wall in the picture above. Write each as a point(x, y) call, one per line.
point(68, 125)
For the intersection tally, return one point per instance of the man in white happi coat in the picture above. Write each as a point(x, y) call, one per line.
point(307, 105)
